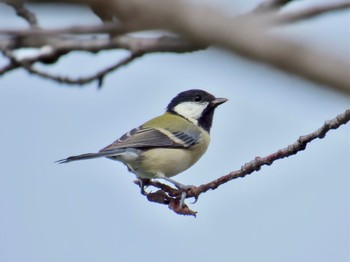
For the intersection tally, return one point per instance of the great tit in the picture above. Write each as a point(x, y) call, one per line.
point(168, 144)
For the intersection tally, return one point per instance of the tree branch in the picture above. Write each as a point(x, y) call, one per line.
point(296, 16)
point(205, 27)
point(171, 196)
point(271, 5)
point(106, 28)
point(23, 12)
point(138, 46)
point(64, 45)
point(99, 76)
point(212, 27)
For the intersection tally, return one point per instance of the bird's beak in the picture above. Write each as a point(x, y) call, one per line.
point(218, 101)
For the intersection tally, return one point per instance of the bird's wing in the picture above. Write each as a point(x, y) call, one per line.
point(148, 137)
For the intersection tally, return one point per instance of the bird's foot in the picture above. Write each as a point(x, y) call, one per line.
point(184, 189)
point(143, 182)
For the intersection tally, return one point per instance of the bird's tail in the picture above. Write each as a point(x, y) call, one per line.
point(106, 153)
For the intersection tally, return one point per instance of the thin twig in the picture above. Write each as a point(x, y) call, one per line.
point(296, 16)
point(23, 12)
point(99, 76)
point(290, 150)
point(52, 46)
point(112, 27)
point(271, 5)
point(11, 65)
point(138, 46)
point(249, 167)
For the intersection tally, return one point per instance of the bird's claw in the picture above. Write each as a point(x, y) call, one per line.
point(184, 189)
point(143, 183)
point(195, 200)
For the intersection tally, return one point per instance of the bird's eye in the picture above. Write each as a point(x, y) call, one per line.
point(197, 98)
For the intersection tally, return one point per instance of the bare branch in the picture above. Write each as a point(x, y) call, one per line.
point(67, 44)
point(11, 65)
point(211, 27)
point(290, 150)
point(23, 12)
point(115, 28)
point(168, 195)
point(138, 46)
point(290, 17)
point(271, 5)
point(99, 76)
point(7, 68)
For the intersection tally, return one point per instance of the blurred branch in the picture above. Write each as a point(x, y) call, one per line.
point(114, 27)
point(201, 27)
point(213, 27)
point(296, 16)
point(271, 5)
point(170, 196)
point(48, 54)
point(23, 12)
point(99, 76)
point(66, 44)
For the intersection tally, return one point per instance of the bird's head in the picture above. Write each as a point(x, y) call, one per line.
point(196, 106)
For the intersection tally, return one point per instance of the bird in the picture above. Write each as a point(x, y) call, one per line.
point(165, 145)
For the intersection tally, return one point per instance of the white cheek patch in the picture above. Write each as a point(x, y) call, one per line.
point(191, 110)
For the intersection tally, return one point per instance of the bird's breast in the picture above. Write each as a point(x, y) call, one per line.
point(169, 161)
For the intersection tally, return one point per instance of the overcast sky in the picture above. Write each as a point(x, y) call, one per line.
point(295, 210)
